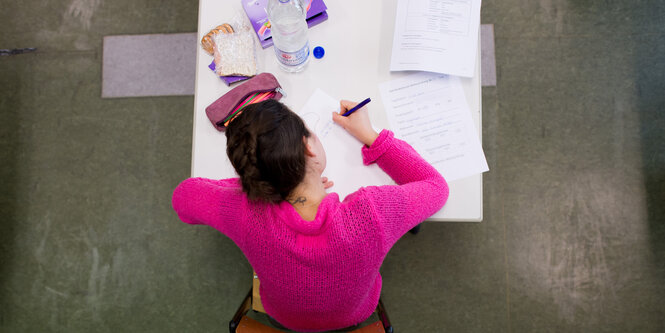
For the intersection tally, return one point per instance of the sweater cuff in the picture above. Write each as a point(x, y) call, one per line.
point(378, 148)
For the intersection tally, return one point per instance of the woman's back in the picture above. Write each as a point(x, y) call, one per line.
point(317, 274)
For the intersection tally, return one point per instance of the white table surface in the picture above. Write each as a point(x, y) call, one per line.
point(357, 38)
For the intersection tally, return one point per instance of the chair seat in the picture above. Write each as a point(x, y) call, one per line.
point(249, 325)
point(376, 327)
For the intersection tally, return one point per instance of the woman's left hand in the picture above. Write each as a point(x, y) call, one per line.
point(326, 184)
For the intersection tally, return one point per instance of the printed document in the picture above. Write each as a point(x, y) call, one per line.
point(430, 112)
point(344, 163)
point(438, 36)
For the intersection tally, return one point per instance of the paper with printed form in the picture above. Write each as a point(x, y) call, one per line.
point(438, 36)
point(343, 151)
point(429, 111)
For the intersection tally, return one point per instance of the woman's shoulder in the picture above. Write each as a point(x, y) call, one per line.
point(365, 194)
point(211, 183)
point(206, 189)
point(361, 200)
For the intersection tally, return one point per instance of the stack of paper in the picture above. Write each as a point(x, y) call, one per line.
point(436, 36)
point(429, 111)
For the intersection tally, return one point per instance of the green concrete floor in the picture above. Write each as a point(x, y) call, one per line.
point(573, 238)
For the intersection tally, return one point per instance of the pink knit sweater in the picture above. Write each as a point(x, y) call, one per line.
point(322, 274)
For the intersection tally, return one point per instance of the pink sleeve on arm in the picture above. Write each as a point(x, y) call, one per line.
point(217, 203)
point(421, 190)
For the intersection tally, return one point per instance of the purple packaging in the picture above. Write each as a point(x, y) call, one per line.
point(227, 79)
point(256, 12)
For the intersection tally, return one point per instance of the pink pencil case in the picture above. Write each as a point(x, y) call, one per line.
point(264, 86)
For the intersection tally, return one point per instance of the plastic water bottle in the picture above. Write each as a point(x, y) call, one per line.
point(289, 33)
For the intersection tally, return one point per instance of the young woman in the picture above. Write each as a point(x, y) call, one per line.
point(317, 257)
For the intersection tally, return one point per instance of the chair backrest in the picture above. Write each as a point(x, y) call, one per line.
point(256, 302)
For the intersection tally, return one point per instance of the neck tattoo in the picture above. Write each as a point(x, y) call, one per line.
point(298, 200)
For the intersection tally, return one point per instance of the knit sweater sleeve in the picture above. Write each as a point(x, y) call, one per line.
point(217, 203)
point(420, 191)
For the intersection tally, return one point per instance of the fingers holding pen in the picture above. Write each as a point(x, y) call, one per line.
point(357, 123)
point(346, 105)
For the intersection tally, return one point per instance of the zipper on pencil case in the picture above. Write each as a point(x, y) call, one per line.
point(245, 101)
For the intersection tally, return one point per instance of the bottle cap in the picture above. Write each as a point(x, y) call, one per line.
point(319, 52)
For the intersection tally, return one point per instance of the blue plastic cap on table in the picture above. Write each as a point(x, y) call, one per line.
point(319, 52)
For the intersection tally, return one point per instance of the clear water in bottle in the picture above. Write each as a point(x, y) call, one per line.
point(289, 33)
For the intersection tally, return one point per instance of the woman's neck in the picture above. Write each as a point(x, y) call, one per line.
point(306, 198)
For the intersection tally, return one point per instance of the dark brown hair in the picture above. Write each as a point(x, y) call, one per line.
point(266, 148)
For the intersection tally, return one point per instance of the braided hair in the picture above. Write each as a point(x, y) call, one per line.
point(266, 148)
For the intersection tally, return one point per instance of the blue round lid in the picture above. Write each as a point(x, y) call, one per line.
point(319, 52)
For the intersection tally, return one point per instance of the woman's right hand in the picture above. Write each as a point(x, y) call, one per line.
point(357, 123)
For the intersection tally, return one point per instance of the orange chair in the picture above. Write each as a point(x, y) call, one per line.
point(241, 323)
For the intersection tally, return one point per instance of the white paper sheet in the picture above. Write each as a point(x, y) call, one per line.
point(436, 36)
point(429, 111)
point(343, 152)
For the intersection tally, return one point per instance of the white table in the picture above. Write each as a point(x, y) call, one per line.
point(357, 39)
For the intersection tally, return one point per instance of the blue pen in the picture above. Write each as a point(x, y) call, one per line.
point(361, 104)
